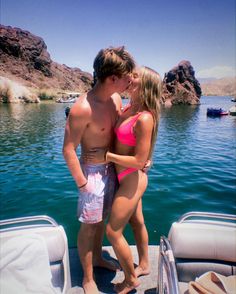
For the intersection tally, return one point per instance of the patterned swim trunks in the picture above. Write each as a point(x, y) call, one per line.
point(94, 206)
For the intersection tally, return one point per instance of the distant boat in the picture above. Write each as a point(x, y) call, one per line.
point(216, 112)
point(68, 97)
point(233, 99)
point(70, 100)
point(232, 110)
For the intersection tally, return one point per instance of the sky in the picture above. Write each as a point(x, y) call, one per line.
point(158, 33)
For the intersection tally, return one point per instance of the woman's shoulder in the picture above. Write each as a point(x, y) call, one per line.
point(145, 115)
point(145, 118)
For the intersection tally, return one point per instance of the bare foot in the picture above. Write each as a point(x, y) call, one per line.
point(139, 271)
point(111, 265)
point(124, 287)
point(90, 288)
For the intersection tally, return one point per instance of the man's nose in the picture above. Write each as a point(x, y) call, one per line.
point(130, 79)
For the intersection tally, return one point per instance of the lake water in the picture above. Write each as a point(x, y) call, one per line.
point(194, 165)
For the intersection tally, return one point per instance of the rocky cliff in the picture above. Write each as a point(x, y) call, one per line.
point(24, 59)
point(180, 85)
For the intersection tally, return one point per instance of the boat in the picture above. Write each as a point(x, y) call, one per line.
point(233, 99)
point(198, 244)
point(216, 112)
point(68, 97)
point(232, 110)
point(194, 245)
point(66, 100)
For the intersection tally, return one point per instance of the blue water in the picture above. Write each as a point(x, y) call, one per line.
point(194, 165)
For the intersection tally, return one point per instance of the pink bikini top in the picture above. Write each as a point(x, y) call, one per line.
point(124, 132)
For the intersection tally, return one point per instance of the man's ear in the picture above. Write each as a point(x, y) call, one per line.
point(113, 78)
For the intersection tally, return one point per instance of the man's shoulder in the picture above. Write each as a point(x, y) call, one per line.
point(81, 107)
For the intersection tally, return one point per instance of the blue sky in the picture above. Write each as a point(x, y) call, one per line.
point(158, 33)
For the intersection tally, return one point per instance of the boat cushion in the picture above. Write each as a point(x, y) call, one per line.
point(25, 267)
point(208, 240)
point(189, 270)
point(52, 235)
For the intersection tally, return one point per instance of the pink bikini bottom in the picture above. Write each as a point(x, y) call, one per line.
point(125, 173)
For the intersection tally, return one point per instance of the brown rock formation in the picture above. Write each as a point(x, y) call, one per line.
point(180, 85)
point(24, 58)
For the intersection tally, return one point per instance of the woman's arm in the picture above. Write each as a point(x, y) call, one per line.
point(143, 132)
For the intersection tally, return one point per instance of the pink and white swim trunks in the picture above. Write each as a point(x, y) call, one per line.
point(95, 206)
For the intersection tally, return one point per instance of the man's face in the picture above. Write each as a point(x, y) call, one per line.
point(123, 83)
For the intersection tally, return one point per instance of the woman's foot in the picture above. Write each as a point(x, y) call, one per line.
point(141, 271)
point(90, 287)
point(124, 287)
point(111, 265)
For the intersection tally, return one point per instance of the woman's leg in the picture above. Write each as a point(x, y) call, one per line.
point(141, 237)
point(124, 205)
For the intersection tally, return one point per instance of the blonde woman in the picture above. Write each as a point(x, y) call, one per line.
point(136, 132)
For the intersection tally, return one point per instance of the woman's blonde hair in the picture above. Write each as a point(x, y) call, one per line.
point(112, 61)
point(150, 94)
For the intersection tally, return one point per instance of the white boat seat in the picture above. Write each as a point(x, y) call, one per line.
point(57, 247)
point(200, 246)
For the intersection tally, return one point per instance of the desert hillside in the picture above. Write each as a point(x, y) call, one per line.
point(24, 59)
point(219, 87)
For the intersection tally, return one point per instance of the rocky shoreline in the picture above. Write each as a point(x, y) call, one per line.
point(27, 74)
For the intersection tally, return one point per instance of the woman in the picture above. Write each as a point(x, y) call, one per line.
point(136, 132)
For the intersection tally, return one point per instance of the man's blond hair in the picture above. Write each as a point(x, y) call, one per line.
point(113, 61)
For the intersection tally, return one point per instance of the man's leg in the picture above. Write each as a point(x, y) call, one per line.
point(98, 259)
point(86, 239)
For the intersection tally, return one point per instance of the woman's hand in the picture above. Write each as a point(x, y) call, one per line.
point(95, 155)
point(146, 167)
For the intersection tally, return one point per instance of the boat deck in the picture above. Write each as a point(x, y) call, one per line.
point(106, 279)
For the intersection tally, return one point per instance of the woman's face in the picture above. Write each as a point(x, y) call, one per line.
point(135, 83)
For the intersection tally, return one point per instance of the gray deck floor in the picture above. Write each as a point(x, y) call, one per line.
point(106, 279)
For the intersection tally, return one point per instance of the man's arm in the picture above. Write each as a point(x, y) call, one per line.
point(75, 126)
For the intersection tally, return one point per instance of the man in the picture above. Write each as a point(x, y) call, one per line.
point(90, 124)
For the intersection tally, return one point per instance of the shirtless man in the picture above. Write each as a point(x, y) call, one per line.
point(90, 123)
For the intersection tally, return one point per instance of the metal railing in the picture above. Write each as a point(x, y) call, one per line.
point(24, 222)
point(207, 215)
point(167, 264)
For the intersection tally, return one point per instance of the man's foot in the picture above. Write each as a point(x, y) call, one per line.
point(141, 271)
point(111, 265)
point(124, 287)
point(90, 288)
